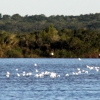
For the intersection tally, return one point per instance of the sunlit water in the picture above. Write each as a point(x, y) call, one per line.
point(50, 79)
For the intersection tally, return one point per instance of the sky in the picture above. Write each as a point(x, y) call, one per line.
point(49, 7)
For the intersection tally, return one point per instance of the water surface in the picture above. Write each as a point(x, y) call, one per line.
point(49, 79)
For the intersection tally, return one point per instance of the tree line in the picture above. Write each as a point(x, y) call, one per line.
point(63, 43)
point(17, 23)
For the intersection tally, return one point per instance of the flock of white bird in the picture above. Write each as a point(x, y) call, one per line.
point(38, 74)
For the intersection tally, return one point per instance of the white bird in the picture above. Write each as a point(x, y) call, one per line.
point(36, 75)
point(29, 73)
point(53, 75)
point(24, 73)
point(35, 64)
point(87, 66)
point(73, 73)
point(52, 53)
point(67, 75)
point(41, 75)
point(76, 73)
point(83, 71)
point(16, 69)
point(79, 58)
point(90, 67)
point(8, 74)
point(78, 69)
point(46, 73)
point(79, 72)
point(36, 70)
point(18, 74)
point(96, 69)
point(86, 72)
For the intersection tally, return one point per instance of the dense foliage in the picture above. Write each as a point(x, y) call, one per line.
point(63, 43)
point(41, 36)
point(17, 23)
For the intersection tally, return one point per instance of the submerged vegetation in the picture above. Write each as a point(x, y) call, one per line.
point(54, 36)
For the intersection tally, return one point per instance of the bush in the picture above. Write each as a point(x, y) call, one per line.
point(14, 53)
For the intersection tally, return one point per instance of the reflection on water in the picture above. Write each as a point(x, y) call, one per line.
point(49, 79)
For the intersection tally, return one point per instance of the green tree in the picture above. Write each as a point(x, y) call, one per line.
point(16, 17)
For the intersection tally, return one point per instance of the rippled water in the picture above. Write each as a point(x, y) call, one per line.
point(49, 79)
